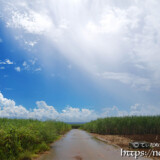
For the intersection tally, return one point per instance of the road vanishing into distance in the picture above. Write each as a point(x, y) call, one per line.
point(79, 145)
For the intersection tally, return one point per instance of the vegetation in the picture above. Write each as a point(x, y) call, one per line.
point(124, 125)
point(20, 139)
point(76, 126)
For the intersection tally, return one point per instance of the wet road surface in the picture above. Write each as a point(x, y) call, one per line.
point(79, 145)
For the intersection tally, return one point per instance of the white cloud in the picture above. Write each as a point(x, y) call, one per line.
point(33, 61)
point(9, 109)
point(31, 43)
point(137, 109)
point(126, 78)
point(38, 69)
point(141, 109)
point(26, 65)
point(7, 61)
point(31, 21)
point(18, 69)
point(42, 111)
point(2, 62)
point(99, 37)
point(71, 114)
point(113, 112)
point(31, 65)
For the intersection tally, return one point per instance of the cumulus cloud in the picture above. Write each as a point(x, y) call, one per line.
point(31, 22)
point(70, 114)
point(9, 109)
point(7, 61)
point(136, 109)
point(42, 111)
point(18, 69)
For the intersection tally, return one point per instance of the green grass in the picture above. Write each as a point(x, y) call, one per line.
point(20, 138)
point(124, 125)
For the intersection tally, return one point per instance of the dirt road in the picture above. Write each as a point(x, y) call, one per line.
point(79, 145)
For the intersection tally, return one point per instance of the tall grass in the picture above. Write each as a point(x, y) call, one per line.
point(124, 125)
point(19, 138)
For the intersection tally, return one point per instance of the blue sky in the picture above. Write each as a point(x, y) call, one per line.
point(79, 60)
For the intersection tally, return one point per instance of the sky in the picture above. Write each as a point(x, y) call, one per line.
point(79, 60)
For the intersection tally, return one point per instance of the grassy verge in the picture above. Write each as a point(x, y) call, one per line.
point(124, 125)
point(21, 139)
